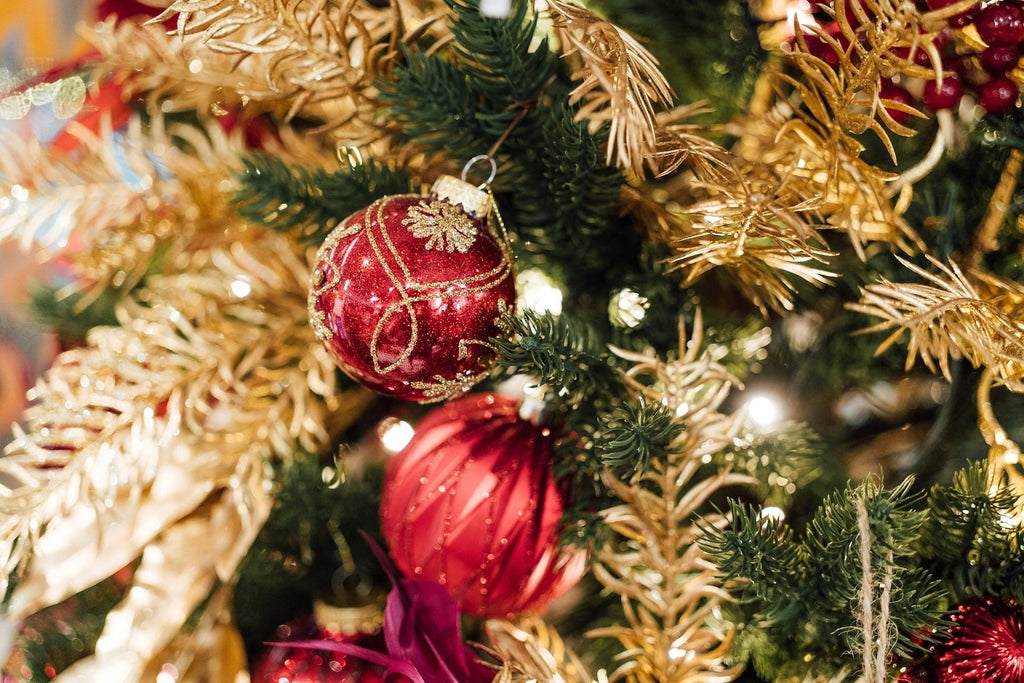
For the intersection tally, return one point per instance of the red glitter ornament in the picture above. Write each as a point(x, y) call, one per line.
point(283, 662)
point(406, 293)
point(986, 643)
point(471, 503)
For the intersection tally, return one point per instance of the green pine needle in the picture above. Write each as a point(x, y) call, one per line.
point(968, 536)
point(285, 197)
point(633, 434)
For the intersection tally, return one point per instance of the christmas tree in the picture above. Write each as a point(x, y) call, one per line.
point(488, 340)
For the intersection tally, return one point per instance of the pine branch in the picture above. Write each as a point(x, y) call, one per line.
point(288, 197)
point(565, 202)
point(808, 591)
point(634, 434)
point(506, 63)
point(968, 536)
point(558, 352)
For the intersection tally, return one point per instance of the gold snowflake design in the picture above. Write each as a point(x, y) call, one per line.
point(446, 226)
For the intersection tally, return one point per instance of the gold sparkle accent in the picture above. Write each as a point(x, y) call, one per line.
point(320, 283)
point(445, 226)
point(442, 388)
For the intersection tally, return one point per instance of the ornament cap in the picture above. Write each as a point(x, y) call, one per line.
point(473, 200)
point(348, 620)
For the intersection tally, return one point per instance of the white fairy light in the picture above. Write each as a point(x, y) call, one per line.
point(763, 410)
point(395, 434)
point(240, 288)
point(537, 292)
point(772, 514)
point(496, 9)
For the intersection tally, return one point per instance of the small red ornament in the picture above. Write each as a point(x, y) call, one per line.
point(946, 96)
point(1000, 24)
point(999, 59)
point(986, 643)
point(470, 503)
point(998, 94)
point(407, 292)
point(896, 93)
point(283, 662)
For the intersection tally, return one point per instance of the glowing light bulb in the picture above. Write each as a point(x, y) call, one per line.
point(495, 8)
point(763, 411)
point(772, 514)
point(240, 288)
point(395, 434)
point(538, 292)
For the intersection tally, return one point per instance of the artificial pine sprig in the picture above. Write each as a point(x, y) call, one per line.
point(557, 351)
point(463, 102)
point(807, 593)
point(633, 434)
point(972, 537)
point(286, 197)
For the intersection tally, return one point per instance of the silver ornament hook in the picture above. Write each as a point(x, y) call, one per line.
point(473, 161)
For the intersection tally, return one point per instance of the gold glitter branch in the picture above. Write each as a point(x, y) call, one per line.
point(759, 231)
point(621, 83)
point(530, 650)
point(320, 57)
point(671, 592)
point(209, 373)
point(976, 316)
point(45, 195)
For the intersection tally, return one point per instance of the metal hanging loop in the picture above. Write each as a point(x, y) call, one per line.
point(474, 161)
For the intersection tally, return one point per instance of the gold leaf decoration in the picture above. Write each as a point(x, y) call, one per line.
point(209, 373)
point(761, 232)
point(533, 651)
point(322, 58)
point(972, 315)
point(671, 592)
point(620, 83)
point(45, 195)
point(444, 225)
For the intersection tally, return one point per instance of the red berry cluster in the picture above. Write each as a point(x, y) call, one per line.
point(988, 72)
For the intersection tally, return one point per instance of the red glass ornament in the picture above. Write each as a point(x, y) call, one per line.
point(946, 96)
point(282, 662)
point(986, 643)
point(998, 94)
point(406, 293)
point(1000, 24)
point(470, 503)
point(999, 59)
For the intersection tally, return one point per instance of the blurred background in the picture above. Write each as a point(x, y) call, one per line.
point(34, 36)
